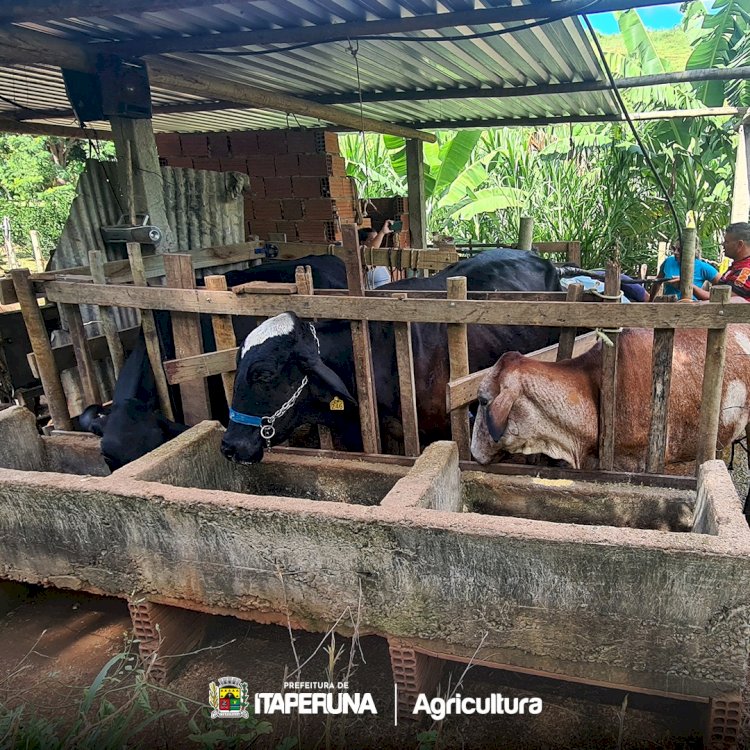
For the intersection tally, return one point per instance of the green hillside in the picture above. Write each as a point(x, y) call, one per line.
point(672, 45)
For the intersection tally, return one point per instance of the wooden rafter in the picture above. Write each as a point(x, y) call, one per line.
point(22, 46)
point(33, 128)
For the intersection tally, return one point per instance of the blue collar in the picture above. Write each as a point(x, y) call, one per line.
point(241, 418)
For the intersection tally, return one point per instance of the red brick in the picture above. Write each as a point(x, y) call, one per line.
point(306, 187)
point(261, 228)
point(313, 164)
point(218, 144)
point(339, 188)
point(214, 165)
point(286, 164)
point(300, 141)
point(168, 144)
point(319, 209)
point(194, 145)
point(232, 164)
point(261, 165)
point(267, 209)
point(326, 142)
point(184, 162)
point(278, 187)
point(257, 187)
point(249, 204)
point(336, 165)
point(312, 231)
point(272, 141)
point(293, 209)
point(289, 228)
point(243, 144)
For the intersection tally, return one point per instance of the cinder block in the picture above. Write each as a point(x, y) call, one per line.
point(300, 141)
point(194, 144)
point(272, 141)
point(243, 144)
point(214, 165)
point(278, 187)
point(181, 161)
point(293, 209)
point(289, 228)
point(261, 165)
point(286, 164)
point(257, 187)
point(307, 187)
point(320, 209)
point(261, 228)
point(313, 164)
point(267, 209)
point(218, 144)
point(168, 144)
point(233, 164)
point(326, 142)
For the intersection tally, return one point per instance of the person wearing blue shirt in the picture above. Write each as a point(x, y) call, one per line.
point(670, 270)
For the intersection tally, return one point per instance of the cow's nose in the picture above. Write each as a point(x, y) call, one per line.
point(228, 450)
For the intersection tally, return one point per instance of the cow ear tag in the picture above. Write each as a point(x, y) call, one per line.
point(336, 404)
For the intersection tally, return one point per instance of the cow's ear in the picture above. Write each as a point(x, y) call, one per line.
point(324, 378)
point(498, 412)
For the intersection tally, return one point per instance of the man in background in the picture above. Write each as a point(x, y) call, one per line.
point(702, 272)
point(376, 275)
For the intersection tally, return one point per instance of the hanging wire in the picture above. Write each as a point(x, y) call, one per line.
point(633, 129)
point(354, 50)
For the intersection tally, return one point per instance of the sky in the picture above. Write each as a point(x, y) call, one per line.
point(657, 17)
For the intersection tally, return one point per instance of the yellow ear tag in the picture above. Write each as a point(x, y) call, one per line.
point(336, 404)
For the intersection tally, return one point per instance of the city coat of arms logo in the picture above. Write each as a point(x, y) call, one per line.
point(229, 698)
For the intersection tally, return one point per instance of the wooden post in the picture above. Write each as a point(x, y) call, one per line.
point(40, 344)
point(405, 366)
point(568, 335)
point(525, 233)
point(107, 315)
point(303, 279)
point(188, 341)
point(84, 361)
point(223, 333)
point(149, 332)
point(10, 251)
point(741, 191)
point(36, 246)
point(660, 386)
point(416, 193)
point(713, 379)
point(608, 391)
point(361, 346)
point(687, 263)
point(458, 356)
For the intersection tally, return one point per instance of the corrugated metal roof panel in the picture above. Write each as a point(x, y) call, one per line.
point(558, 51)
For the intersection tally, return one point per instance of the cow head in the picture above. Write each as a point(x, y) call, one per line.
point(281, 383)
point(532, 407)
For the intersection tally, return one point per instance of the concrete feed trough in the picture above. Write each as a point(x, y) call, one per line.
point(587, 596)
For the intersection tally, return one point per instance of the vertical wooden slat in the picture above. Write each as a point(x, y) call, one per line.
point(107, 315)
point(568, 335)
point(188, 341)
point(458, 355)
point(304, 281)
point(405, 365)
point(525, 233)
point(608, 392)
point(687, 263)
point(37, 248)
point(368, 414)
point(416, 193)
point(85, 363)
point(660, 386)
point(40, 344)
point(149, 332)
point(713, 378)
point(223, 333)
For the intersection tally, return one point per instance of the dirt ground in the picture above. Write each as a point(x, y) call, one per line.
point(54, 643)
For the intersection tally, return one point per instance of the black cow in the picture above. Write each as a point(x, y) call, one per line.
point(290, 372)
point(132, 426)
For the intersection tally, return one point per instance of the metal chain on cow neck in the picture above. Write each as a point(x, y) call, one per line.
point(267, 430)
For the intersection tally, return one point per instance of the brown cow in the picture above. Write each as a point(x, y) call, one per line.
point(529, 407)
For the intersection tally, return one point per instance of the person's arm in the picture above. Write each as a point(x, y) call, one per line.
point(701, 293)
point(380, 236)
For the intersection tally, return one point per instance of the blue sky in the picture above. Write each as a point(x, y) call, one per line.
point(657, 17)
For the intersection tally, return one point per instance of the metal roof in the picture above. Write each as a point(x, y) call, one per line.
point(556, 52)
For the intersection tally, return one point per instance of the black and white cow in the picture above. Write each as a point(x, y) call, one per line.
point(292, 373)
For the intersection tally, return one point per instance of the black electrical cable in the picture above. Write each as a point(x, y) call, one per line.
point(626, 114)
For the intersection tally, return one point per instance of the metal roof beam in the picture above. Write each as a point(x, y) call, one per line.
point(20, 46)
point(317, 34)
point(20, 11)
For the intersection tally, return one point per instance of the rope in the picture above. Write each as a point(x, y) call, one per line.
point(601, 333)
point(605, 296)
point(354, 52)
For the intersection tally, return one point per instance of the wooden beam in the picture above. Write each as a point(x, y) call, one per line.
point(407, 387)
point(687, 262)
point(61, 131)
point(19, 11)
point(107, 314)
point(608, 389)
point(416, 193)
point(223, 333)
point(458, 362)
point(551, 314)
point(568, 335)
point(661, 384)
point(334, 32)
point(84, 361)
point(23, 47)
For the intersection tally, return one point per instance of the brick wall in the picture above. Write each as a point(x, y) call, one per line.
point(298, 182)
